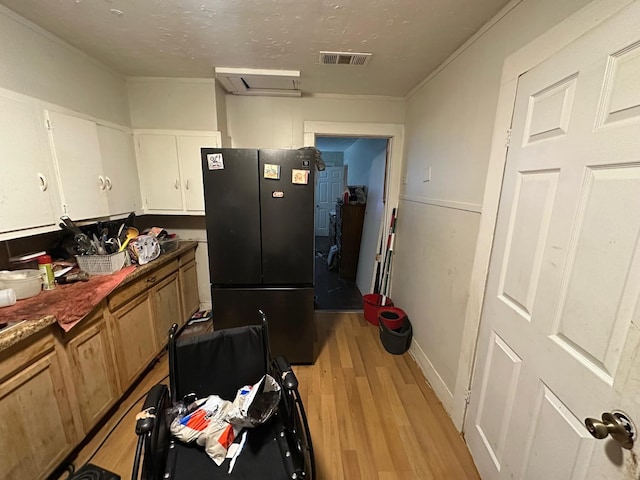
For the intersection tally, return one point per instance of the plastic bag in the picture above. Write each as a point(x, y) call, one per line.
point(191, 426)
point(255, 404)
point(214, 423)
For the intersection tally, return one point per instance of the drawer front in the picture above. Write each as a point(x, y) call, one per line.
point(125, 293)
point(17, 358)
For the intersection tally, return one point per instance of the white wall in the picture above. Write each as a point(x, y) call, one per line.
point(449, 126)
point(253, 122)
point(374, 152)
point(271, 122)
point(173, 103)
point(276, 122)
point(179, 104)
point(35, 63)
point(221, 114)
point(359, 159)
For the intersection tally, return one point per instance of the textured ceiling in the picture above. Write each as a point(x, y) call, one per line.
point(187, 38)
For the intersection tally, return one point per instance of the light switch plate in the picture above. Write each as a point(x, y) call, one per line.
point(426, 174)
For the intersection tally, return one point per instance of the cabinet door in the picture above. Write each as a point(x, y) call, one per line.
point(77, 155)
point(26, 182)
point(134, 338)
point(189, 289)
point(93, 373)
point(120, 170)
point(191, 168)
point(167, 306)
point(37, 429)
point(159, 172)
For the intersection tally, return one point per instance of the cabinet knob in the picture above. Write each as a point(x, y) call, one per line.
point(101, 182)
point(43, 182)
point(186, 184)
point(176, 184)
point(108, 182)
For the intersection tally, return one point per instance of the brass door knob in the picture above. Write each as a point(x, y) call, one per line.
point(616, 424)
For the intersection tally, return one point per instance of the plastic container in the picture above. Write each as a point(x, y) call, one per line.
point(45, 266)
point(7, 297)
point(392, 317)
point(396, 341)
point(372, 302)
point(26, 283)
point(101, 264)
point(168, 245)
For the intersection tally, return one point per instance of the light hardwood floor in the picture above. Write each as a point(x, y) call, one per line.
point(371, 414)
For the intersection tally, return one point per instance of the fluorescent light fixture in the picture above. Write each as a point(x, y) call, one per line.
point(258, 81)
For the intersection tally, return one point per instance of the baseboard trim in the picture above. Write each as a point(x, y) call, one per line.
point(432, 377)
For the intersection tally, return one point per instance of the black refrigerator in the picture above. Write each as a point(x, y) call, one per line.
point(260, 233)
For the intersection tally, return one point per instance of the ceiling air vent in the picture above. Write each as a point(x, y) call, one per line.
point(344, 58)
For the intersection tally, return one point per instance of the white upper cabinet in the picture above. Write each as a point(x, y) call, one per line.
point(54, 161)
point(191, 168)
point(159, 172)
point(120, 170)
point(27, 184)
point(77, 154)
point(170, 170)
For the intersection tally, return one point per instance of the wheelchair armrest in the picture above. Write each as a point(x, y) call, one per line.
point(147, 416)
point(288, 378)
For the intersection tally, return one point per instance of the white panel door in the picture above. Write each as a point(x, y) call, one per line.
point(26, 182)
point(560, 329)
point(329, 187)
point(159, 172)
point(77, 155)
point(191, 167)
point(120, 170)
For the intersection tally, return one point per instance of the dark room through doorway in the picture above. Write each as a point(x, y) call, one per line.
point(347, 233)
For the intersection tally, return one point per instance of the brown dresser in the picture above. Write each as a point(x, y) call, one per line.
point(349, 221)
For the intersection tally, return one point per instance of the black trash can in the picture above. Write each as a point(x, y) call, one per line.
point(398, 340)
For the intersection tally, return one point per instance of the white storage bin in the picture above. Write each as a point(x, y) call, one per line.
point(102, 264)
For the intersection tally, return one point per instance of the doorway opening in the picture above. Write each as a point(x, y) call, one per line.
point(350, 206)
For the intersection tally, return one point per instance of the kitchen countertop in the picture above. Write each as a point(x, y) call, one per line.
point(24, 328)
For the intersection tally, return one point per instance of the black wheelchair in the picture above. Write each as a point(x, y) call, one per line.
point(220, 363)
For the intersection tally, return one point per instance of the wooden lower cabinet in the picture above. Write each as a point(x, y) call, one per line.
point(37, 429)
point(189, 289)
point(167, 306)
point(134, 337)
point(46, 414)
point(93, 371)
